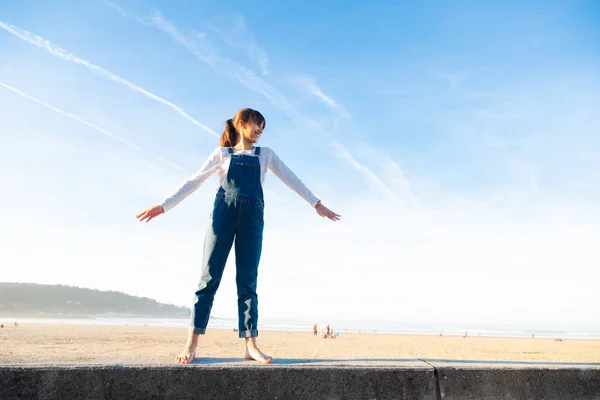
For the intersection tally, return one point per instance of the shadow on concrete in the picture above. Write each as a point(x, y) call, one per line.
point(304, 361)
point(213, 360)
point(330, 361)
point(383, 361)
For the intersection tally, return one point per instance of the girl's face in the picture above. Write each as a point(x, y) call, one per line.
point(251, 131)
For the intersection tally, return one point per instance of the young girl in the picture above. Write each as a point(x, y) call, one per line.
point(237, 217)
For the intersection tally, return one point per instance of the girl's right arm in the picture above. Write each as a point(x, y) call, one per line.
point(289, 178)
point(212, 164)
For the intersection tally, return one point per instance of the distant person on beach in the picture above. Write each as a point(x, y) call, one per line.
point(237, 217)
point(315, 330)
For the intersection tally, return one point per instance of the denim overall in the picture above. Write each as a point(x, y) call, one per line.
point(237, 216)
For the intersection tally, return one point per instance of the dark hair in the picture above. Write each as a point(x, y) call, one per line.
point(230, 135)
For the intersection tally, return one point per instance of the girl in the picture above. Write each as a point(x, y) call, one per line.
point(237, 217)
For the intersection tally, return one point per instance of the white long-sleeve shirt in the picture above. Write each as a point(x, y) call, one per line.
point(218, 162)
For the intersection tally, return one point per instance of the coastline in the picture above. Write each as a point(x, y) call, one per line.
point(72, 344)
point(276, 325)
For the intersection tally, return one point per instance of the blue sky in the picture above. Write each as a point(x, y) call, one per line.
point(459, 140)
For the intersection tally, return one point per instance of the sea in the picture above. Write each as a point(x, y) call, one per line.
point(291, 325)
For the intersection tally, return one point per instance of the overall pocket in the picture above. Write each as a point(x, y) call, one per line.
point(244, 174)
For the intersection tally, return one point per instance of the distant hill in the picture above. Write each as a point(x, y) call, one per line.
point(49, 300)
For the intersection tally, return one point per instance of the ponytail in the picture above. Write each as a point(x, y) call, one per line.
point(230, 135)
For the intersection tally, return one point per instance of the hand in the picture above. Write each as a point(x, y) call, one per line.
point(150, 213)
point(326, 212)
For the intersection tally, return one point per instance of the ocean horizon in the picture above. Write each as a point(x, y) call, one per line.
point(291, 325)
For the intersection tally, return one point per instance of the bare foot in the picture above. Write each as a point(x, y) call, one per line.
point(257, 355)
point(188, 353)
point(254, 353)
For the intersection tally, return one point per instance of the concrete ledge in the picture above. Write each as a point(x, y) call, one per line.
point(512, 383)
point(250, 381)
point(197, 382)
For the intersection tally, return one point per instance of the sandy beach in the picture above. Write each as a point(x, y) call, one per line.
point(62, 344)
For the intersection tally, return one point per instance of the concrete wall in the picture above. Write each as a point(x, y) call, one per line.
point(283, 382)
point(547, 384)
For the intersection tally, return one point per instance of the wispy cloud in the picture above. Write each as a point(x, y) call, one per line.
point(395, 175)
point(203, 49)
point(391, 180)
point(90, 125)
point(371, 176)
point(452, 79)
point(119, 9)
point(59, 52)
point(240, 38)
point(309, 84)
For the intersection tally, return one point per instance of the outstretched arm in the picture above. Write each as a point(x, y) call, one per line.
point(288, 177)
point(187, 188)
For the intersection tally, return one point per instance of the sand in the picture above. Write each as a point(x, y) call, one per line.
point(60, 344)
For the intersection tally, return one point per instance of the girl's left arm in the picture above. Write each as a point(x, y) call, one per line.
point(288, 177)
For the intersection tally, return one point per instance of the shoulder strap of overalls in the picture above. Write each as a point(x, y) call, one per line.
point(257, 151)
point(230, 150)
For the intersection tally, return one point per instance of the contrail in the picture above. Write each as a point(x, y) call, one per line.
point(371, 176)
point(312, 87)
point(89, 124)
point(228, 68)
point(204, 52)
point(65, 55)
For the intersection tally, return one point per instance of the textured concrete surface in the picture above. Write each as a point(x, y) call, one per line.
point(305, 379)
point(529, 383)
point(516, 380)
point(201, 382)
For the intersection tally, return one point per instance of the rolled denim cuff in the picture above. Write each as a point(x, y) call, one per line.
point(197, 330)
point(250, 333)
